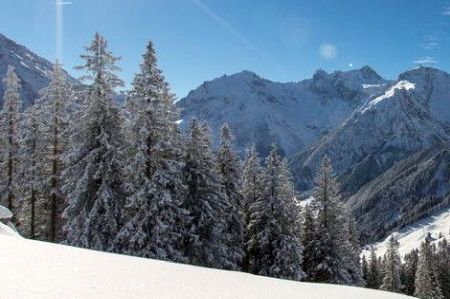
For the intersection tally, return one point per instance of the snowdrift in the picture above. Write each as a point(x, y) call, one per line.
point(35, 269)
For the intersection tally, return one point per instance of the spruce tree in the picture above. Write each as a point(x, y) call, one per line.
point(353, 263)
point(229, 169)
point(442, 258)
point(206, 243)
point(310, 242)
point(374, 276)
point(94, 174)
point(252, 191)
point(10, 140)
point(365, 268)
point(33, 210)
point(155, 218)
point(409, 271)
point(54, 104)
point(275, 247)
point(335, 262)
point(427, 283)
point(392, 268)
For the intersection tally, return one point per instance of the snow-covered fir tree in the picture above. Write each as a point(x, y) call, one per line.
point(94, 175)
point(392, 267)
point(365, 268)
point(442, 258)
point(252, 192)
point(409, 271)
point(156, 221)
point(206, 243)
point(374, 275)
point(10, 142)
point(275, 247)
point(335, 263)
point(353, 249)
point(311, 257)
point(230, 172)
point(33, 211)
point(53, 118)
point(427, 283)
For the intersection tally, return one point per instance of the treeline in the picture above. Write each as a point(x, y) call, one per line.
point(423, 273)
point(78, 168)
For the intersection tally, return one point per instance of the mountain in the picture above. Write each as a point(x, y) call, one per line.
point(413, 189)
point(412, 114)
point(292, 115)
point(33, 70)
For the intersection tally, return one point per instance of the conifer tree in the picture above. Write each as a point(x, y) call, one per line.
point(335, 262)
point(53, 116)
point(94, 174)
point(310, 242)
point(206, 244)
point(427, 283)
point(374, 277)
point(10, 141)
point(365, 268)
point(353, 253)
point(442, 258)
point(252, 191)
point(155, 218)
point(409, 271)
point(392, 268)
point(275, 248)
point(33, 211)
point(229, 169)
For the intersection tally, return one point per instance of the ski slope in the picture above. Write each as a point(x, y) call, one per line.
point(411, 236)
point(33, 269)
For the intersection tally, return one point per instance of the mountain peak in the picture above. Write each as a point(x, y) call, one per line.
point(421, 72)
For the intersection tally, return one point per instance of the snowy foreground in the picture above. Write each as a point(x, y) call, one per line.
point(411, 236)
point(35, 269)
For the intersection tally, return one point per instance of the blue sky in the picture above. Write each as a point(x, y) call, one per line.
point(284, 40)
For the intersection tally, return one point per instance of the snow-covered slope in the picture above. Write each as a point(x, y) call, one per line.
point(411, 236)
point(33, 71)
point(293, 115)
point(412, 189)
point(35, 269)
point(388, 128)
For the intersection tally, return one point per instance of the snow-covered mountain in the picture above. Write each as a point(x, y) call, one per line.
point(42, 270)
point(412, 114)
point(413, 189)
point(33, 70)
point(292, 115)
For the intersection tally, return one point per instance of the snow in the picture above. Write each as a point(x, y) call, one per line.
point(411, 236)
point(306, 201)
point(6, 230)
point(292, 115)
point(403, 84)
point(365, 86)
point(24, 64)
point(43, 270)
point(5, 214)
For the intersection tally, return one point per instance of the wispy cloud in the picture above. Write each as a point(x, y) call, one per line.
point(430, 42)
point(446, 11)
point(63, 3)
point(327, 51)
point(425, 60)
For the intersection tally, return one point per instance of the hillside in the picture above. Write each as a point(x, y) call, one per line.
point(33, 70)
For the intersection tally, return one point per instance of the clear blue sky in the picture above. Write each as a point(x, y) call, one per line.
point(284, 40)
